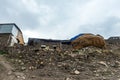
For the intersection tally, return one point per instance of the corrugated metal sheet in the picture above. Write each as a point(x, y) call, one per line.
point(9, 29)
point(6, 28)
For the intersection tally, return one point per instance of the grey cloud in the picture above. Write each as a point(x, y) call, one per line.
point(106, 28)
point(30, 21)
point(62, 18)
point(10, 8)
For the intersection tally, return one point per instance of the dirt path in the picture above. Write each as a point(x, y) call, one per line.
point(7, 72)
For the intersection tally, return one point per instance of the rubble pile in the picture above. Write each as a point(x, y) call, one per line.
point(88, 61)
point(32, 58)
point(89, 40)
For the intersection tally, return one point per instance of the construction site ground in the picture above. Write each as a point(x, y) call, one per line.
point(89, 63)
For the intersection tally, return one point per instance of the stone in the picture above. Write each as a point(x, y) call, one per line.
point(103, 63)
point(33, 76)
point(20, 75)
point(37, 53)
point(9, 72)
point(97, 75)
point(23, 68)
point(76, 72)
point(19, 61)
point(68, 79)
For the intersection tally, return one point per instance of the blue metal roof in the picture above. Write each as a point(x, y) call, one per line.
point(75, 37)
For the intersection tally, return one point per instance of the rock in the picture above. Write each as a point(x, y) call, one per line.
point(68, 79)
point(38, 53)
point(33, 76)
point(103, 63)
point(9, 72)
point(98, 51)
point(76, 72)
point(107, 51)
point(20, 75)
point(19, 61)
point(23, 68)
point(97, 75)
point(104, 78)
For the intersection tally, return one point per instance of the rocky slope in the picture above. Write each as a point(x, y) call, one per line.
point(88, 63)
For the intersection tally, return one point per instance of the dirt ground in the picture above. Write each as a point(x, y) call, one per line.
point(85, 64)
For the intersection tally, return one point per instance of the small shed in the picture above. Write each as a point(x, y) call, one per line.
point(10, 34)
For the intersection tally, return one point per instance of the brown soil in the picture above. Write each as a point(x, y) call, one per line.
point(86, 64)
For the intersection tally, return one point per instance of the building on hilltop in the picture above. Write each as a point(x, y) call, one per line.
point(114, 40)
point(52, 44)
point(10, 34)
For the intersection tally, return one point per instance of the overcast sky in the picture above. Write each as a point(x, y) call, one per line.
point(62, 19)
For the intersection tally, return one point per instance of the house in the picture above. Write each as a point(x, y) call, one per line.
point(10, 34)
point(114, 40)
point(52, 44)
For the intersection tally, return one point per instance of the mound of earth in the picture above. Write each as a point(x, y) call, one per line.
point(89, 63)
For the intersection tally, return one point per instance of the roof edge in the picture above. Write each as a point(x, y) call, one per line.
point(11, 24)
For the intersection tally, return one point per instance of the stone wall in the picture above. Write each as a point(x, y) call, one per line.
point(51, 44)
point(4, 39)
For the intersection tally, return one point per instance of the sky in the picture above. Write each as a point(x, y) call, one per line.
point(62, 19)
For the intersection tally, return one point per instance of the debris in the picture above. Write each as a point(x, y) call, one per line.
point(47, 59)
point(33, 76)
point(23, 68)
point(9, 72)
point(20, 75)
point(103, 63)
point(76, 72)
point(86, 63)
point(68, 79)
point(97, 75)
